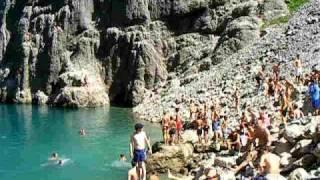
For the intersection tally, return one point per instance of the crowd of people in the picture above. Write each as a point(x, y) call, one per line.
point(252, 134)
point(251, 137)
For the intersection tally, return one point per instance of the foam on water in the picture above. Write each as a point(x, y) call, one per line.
point(121, 164)
point(56, 162)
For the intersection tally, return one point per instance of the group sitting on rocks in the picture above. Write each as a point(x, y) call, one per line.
point(251, 138)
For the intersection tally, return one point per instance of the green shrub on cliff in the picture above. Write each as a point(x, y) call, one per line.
point(294, 5)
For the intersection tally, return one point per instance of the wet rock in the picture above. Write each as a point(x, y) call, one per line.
point(77, 97)
point(40, 98)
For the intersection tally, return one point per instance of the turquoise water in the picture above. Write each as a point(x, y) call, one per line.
point(29, 134)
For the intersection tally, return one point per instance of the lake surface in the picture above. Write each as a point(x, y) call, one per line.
point(29, 134)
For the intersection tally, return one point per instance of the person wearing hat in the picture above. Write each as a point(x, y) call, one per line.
point(138, 143)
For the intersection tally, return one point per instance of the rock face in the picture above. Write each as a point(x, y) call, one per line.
point(240, 55)
point(129, 47)
point(174, 158)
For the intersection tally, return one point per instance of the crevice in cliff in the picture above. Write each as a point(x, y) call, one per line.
point(13, 57)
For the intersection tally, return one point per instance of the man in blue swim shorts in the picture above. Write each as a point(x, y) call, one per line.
point(138, 143)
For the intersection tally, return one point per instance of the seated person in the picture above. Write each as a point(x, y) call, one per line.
point(234, 140)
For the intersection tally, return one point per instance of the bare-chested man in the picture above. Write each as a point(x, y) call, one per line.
point(179, 125)
point(172, 131)
point(165, 127)
point(233, 141)
point(236, 97)
point(260, 77)
point(199, 126)
point(297, 113)
point(138, 143)
point(193, 110)
point(262, 134)
point(276, 71)
point(298, 69)
point(132, 173)
point(206, 128)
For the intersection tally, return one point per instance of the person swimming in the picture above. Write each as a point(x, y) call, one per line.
point(54, 156)
point(82, 132)
point(122, 158)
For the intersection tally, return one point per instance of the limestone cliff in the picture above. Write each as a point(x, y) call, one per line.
point(86, 53)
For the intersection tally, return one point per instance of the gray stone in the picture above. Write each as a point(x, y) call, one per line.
point(299, 174)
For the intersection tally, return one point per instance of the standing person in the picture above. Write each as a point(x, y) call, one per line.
point(314, 92)
point(206, 128)
point(199, 127)
point(276, 71)
point(179, 125)
point(215, 121)
point(270, 92)
point(216, 127)
point(165, 127)
point(236, 97)
point(172, 131)
point(284, 107)
point(226, 131)
point(138, 143)
point(260, 77)
point(193, 110)
point(297, 64)
point(262, 135)
point(243, 120)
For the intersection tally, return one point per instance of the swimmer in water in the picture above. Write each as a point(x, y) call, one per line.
point(54, 157)
point(122, 157)
point(82, 132)
point(60, 162)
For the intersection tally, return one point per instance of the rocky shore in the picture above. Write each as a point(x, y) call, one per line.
point(205, 83)
point(190, 159)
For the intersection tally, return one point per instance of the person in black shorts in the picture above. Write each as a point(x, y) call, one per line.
point(206, 130)
point(172, 131)
point(199, 125)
